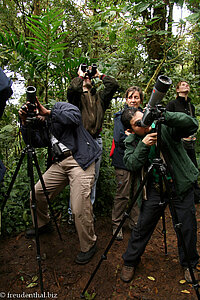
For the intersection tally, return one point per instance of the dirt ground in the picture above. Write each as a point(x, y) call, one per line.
point(158, 276)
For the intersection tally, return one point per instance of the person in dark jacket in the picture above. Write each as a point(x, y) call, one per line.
point(5, 90)
point(5, 93)
point(182, 103)
point(139, 153)
point(134, 98)
point(92, 105)
point(74, 164)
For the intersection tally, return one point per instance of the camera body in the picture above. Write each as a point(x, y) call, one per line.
point(57, 154)
point(89, 72)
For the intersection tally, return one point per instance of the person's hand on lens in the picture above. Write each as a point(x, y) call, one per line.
point(150, 139)
point(43, 111)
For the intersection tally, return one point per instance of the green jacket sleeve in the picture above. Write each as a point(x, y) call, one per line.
point(181, 124)
point(136, 153)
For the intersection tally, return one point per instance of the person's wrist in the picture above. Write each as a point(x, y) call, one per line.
point(48, 112)
point(43, 111)
point(101, 76)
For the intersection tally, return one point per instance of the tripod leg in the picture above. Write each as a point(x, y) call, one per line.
point(46, 193)
point(126, 215)
point(30, 172)
point(164, 231)
point(11, 186)
point(162, 203)
point(13, 179)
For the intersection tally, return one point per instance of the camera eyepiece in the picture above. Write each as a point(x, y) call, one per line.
point(138, 123)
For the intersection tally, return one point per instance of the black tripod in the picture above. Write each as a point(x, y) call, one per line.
point(31, 156)
point(161, 169)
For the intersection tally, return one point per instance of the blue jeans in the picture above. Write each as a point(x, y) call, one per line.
point(99, 142)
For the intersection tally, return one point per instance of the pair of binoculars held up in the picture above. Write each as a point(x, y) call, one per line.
point(90, 72)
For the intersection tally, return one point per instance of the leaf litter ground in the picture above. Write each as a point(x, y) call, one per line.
point(158, 276)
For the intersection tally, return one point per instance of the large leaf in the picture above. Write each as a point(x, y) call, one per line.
point(142, 6)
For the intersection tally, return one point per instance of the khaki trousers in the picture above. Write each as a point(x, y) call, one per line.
point(121, 200)
point(56, 178)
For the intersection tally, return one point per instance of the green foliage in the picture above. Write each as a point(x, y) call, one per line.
point(16, 214)
point(41, 56)
point(106, 184)
point(46, 45)
point(87, 296)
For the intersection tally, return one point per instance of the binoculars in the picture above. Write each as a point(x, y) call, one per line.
point(89, 72)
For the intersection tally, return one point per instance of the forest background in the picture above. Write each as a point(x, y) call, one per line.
point(45, 42)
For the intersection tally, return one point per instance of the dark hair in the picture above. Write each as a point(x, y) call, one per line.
point(133, 89)
point(127, 115)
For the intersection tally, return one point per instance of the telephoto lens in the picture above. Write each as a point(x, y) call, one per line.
point(31, 94)
point(160, 89)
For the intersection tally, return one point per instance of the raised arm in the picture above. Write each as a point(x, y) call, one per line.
point(109, 90)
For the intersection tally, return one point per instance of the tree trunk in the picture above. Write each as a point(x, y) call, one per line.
point(36, 7)
point(170, 19)
point(155, 42)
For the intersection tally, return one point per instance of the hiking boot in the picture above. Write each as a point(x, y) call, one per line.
point(47, 228)
point(70, 220)
point(84, 257)
point(188, 277)
point(127, 273)
point(119, 236)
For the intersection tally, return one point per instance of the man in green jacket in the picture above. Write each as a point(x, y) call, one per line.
point(139, 154)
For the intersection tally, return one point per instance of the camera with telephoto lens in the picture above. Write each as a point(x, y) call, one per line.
point(87, 71)
point(154, 109)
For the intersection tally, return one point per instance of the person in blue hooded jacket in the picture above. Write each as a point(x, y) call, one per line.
point(134, 98)
point(74, 155)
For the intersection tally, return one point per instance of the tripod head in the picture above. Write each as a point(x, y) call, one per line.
point(156, 114)
point(31, 120)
